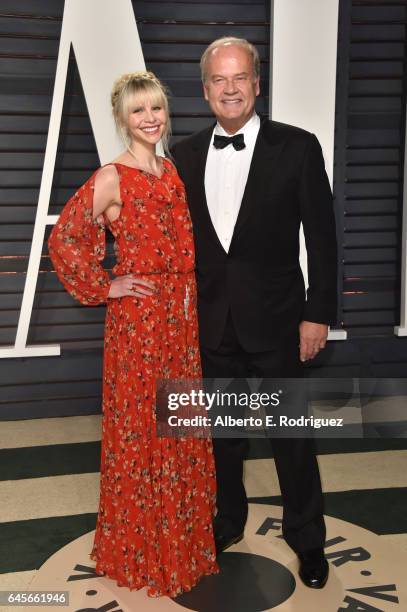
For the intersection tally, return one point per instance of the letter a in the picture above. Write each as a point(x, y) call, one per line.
point(105, 40)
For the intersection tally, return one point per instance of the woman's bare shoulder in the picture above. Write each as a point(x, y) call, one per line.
point(107, 176)
point(107, 189)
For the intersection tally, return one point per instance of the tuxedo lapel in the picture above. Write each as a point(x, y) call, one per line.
point(265, 155)
point(201, 216)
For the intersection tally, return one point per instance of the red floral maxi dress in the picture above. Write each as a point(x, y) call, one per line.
point(157, 495)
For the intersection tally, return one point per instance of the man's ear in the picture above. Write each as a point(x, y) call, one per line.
point(257, 85)
point(205, 91)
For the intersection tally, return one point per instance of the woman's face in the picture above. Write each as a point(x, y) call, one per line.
point(146, 120)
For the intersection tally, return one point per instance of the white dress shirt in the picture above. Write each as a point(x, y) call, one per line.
point(226, 175)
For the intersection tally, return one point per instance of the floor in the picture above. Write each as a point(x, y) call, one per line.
point(49, 494)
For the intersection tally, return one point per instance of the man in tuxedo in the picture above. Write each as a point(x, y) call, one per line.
point(250, 183)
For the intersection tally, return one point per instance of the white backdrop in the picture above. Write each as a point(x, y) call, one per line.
point(304, 37)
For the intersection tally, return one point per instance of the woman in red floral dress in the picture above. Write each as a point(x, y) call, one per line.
point(157, 495)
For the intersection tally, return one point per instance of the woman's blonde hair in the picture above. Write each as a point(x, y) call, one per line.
point(141, 85)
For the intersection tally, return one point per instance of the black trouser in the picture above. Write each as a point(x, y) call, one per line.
point(297, 468)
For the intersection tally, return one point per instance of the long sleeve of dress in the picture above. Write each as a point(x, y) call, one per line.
point(77, 247)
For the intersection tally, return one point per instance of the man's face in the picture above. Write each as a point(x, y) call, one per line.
point(231, 86)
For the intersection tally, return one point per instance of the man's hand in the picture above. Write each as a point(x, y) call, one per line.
point(312, 339)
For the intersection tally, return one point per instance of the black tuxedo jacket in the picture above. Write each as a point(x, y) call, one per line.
point(260, 278)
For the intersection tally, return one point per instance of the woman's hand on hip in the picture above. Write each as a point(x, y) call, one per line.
point(130, 285)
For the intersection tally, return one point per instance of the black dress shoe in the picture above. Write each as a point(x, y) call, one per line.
point(223, 542)
point(314, 568)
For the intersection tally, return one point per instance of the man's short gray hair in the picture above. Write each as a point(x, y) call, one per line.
point(226, 41)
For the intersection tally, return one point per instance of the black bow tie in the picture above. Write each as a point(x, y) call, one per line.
point(220, 142)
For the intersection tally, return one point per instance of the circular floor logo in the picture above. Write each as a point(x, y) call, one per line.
point(258, 574)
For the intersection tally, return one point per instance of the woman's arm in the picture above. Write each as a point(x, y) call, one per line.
point(107, 193)
point(77, 244)
point(77, 247)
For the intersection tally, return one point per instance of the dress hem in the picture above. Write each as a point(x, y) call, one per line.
point(173, 593)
